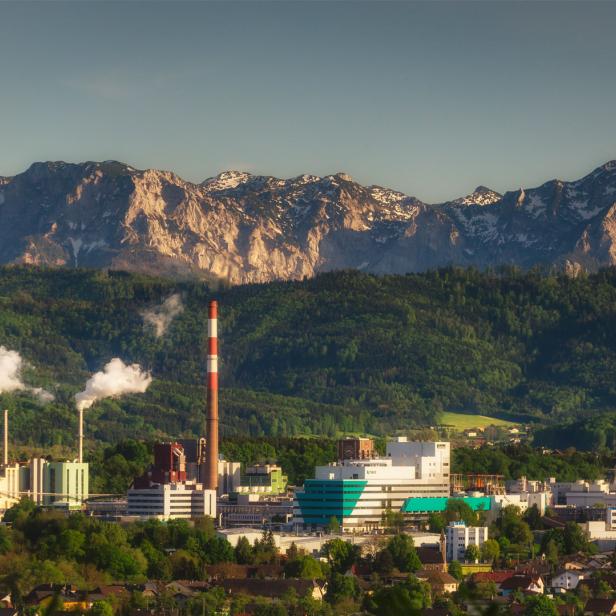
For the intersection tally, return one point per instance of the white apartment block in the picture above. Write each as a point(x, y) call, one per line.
point(172, 500)
point(460, 536)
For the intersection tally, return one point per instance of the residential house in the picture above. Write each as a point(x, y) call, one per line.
point(440, 581)
point(524, 583)
point(254, 587)
point(568, 579)
point(493, 577)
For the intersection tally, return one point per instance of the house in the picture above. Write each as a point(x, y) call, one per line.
point(432, 557)
point(568, 579)
point(492, 577)
point(72, 598)
point(600, 606)
point(524, 583)
point(254, 587)
point(440, 581)
point(535, 566)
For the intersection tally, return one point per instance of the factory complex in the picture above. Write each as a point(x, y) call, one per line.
point(357, 492)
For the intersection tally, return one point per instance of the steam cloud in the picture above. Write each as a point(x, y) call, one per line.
point(116, 379)
point(11, 364)
point(160, 317)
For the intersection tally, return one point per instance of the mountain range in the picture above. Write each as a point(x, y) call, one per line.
point(244, 228)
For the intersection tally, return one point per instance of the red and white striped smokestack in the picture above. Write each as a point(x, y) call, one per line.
point(210, 480)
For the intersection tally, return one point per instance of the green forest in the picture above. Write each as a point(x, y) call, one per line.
point(344, 352)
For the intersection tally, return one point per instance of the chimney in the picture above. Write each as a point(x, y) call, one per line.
point(6, 437)
point(80, 436)
point(210, 476)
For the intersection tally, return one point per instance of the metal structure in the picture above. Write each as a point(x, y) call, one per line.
point(488, 484)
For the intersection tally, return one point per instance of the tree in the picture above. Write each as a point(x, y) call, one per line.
point(342, 586)
point(490, 550)
point(459, 511)
point(244, 554)
point(101, 608)
point(6, 540)
point(455, 570)
point(184, 565)
point(574, 539)
point(472, 553)
point(303, 566)
point(341, 554)
point(533, 518)
point(19, 512)
point(333, 526)
point(540, 605)
point(511, 525)
point(403, 553)
point(384, 562)
point(436, 522)
point(409, 598)
point(393, 520)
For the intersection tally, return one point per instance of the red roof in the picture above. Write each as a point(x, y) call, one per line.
point(498, 577)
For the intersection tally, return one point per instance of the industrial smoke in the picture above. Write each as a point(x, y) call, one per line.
point(10, 370)
point(160, 317)
point(116, 379)
point(11, 365)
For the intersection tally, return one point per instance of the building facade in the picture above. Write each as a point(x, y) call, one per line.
point(170, 501)
point(358, 493)
point(460, 536)
point(49, 484)
point(265, 479)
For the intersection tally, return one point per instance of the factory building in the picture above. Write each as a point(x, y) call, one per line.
point(359, 492)
point(355, 449)
point(63, 485)
point(49, 484)
point(171, 501)
point(165, 492)
point(265, 479)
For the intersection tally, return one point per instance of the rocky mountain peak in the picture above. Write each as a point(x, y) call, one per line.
point(248, 228)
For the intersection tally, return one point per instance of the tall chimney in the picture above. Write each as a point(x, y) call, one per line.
point(80, 436)
point(6, 437)
point(210, 479)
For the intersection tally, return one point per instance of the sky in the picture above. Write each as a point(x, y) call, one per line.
point(430, 98)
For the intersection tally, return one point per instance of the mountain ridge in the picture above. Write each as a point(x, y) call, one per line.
point(245, 228)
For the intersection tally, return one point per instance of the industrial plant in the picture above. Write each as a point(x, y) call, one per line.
point(358, 490)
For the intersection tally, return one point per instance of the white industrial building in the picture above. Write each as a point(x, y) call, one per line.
point(460, 536)
point(172, 500)
point(49, 484)
point(359, 492)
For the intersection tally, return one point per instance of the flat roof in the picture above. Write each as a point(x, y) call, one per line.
point(432, 504)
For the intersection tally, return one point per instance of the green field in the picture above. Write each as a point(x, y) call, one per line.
point(464, 421)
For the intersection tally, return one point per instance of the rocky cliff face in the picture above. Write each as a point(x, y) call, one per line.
point(245, 228)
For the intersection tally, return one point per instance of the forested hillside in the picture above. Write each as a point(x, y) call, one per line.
point(343, 352)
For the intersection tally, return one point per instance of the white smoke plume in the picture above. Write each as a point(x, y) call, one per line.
point(42, 394)
point(10, 370)
point(115, 379)
point(11, 364)
point(161, 316)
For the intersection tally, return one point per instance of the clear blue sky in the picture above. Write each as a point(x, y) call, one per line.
point(429, 98)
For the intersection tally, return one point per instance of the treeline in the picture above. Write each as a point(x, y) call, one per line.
point(113, 468)
point(343, 352)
